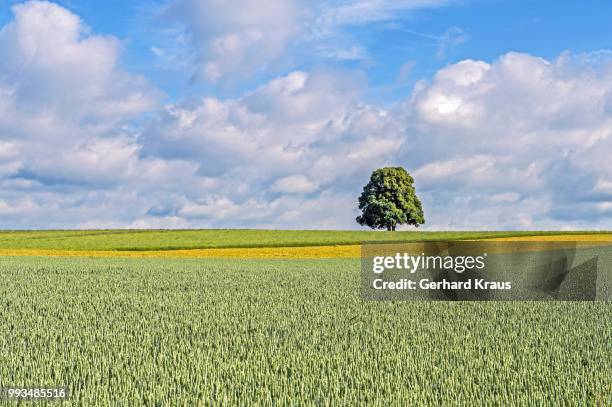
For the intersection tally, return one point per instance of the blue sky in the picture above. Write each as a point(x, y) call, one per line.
point(207, 113)
point(486, 30)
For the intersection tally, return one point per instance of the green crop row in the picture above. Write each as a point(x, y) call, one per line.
point(211, 332)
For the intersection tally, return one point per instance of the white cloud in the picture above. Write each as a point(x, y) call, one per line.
point(294, 184)
point(451, 38)
point(76, 159)
point(234, 39)
point(231, 36)
point(50, 62)
point(64, 101)
point(357, 12)
point(298, 134)
point(280, 129)
point(68, 154)
point(351, 53)
point(405, 71)
point(521, 126)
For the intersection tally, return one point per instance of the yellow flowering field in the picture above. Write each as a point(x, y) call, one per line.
point(309, 252)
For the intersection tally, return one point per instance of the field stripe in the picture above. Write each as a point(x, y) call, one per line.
point(308, 252)
point(292, 252)
point(558, 238)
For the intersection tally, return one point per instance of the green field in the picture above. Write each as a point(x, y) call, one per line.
point(211, 332)
point(210, 238)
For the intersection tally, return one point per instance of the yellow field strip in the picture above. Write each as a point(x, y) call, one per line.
point(307, 252)
point(603, 237)
point(310, 252)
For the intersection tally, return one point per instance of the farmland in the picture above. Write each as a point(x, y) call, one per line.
point(183, 332)
point(131, 240)
point(189, 331)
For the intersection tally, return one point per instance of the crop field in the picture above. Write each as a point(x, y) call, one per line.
point(148, 240)
point(146, 331)
point(245, 244)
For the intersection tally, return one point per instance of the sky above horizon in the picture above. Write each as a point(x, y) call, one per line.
point(273, 114)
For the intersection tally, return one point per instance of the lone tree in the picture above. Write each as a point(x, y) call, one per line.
point(389, 199)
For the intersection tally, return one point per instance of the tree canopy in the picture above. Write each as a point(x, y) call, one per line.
point(389, 199)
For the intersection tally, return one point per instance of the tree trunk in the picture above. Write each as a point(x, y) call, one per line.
point(389, 228)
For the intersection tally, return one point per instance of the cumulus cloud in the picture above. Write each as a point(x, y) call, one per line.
point(299, 134)
point(67, 148)
point(64, 100)
point(521, 125)
point(50, 62)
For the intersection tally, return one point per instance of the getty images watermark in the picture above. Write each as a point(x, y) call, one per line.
point(410, 263)
point(487, 270)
